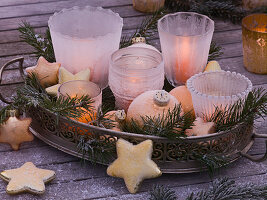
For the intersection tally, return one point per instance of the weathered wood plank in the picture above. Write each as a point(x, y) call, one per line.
point(24, 2)
point(47, 7)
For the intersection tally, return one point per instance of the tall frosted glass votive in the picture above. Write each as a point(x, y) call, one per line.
point(132, 71)
point(185, 39)
point(217, 88)
point(85, 38)
point(254, 35)
point(79, 88)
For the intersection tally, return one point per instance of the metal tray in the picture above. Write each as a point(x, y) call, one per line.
point(172, 156)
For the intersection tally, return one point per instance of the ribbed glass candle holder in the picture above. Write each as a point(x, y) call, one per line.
point(254, 35)
point(185, 39)
point(132, 71)
point(85, 38)
point(217, 88)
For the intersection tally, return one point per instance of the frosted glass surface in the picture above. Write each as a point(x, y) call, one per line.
point(220, 88)
point(132, 71)
point(85, 38)
point(185, 42)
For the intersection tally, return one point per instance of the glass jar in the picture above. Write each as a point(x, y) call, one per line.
point(185, 39)
point(217, 88)
point(132, 71)
point(85, 38)
point(254, 36)
point(148, 5)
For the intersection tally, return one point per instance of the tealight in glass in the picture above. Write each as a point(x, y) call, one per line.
point(85, 38)
point(79, 88)
point(217, 88)
point(132, 71)
point(185, 39)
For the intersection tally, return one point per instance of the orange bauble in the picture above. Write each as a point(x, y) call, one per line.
point(183, 95)
point(151, 103)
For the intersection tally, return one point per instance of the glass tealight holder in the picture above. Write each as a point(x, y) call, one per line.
point(254, 35)
point(132, 71)
point(79, 88)
point(217, 88)
point(185, 39)
point(85, 38)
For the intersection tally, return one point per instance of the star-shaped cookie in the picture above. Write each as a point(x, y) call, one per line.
point(201, 128)
point(134, 163)
point(15, 131)
point(64, 76)
point(46, 72)
point(27, 178)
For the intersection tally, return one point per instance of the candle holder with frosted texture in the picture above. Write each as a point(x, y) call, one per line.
point(85, 38)
point(132, 71)
point(79, 88)
point(185, 39)
point(254, 35)
point(148, 5)
point(217, 88)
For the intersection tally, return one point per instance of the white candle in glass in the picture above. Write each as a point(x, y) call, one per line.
point(133, 71)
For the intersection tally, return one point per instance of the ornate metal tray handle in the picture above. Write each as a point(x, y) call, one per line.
point(264, 157)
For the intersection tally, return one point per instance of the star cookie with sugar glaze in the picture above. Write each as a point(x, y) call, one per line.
point(64, 76)
point(134, 163)
point(45, 71)
point(15, 131)
point(27, 178)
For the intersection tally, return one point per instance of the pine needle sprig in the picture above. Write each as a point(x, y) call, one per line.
point(42, 45)
point(243, 111)
point(215, 51)
point(161, 192)
point(171, 124)
point(220, 189)
point(96, 150)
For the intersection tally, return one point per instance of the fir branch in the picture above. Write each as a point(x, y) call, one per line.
point(215, 51)
point(97, 149)
point(170, 124)
point(42, 45)
point(243, 111)
point(221, 189)
point(161, 192)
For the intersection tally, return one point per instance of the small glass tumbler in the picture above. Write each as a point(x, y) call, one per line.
point(185, 39)
point(217, 88)
point(132, 71)
point(148, 5)
point(79, 88)
point(85, 38)
point(254, 35)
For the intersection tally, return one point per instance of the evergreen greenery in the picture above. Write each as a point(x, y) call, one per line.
point(221, 189)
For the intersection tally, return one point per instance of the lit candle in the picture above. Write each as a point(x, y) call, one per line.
point(133, 71)
point(79, 88)
point(185, 42)
point(254, 35)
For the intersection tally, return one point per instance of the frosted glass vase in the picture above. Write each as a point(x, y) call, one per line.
point(85, 38)
point(185, 39)
point(217, 88)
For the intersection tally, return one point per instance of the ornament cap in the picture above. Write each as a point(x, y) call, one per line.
point(120, 115)
point(161, 98)
point(138, 39)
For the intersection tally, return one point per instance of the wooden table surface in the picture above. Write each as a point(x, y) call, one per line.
point(77, 181)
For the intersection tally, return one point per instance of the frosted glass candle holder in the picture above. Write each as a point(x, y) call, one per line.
point(79, 88)
point(85, 38)
point(217, 88)
point(254, 35)
point(132, 71)
point(185, 39)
